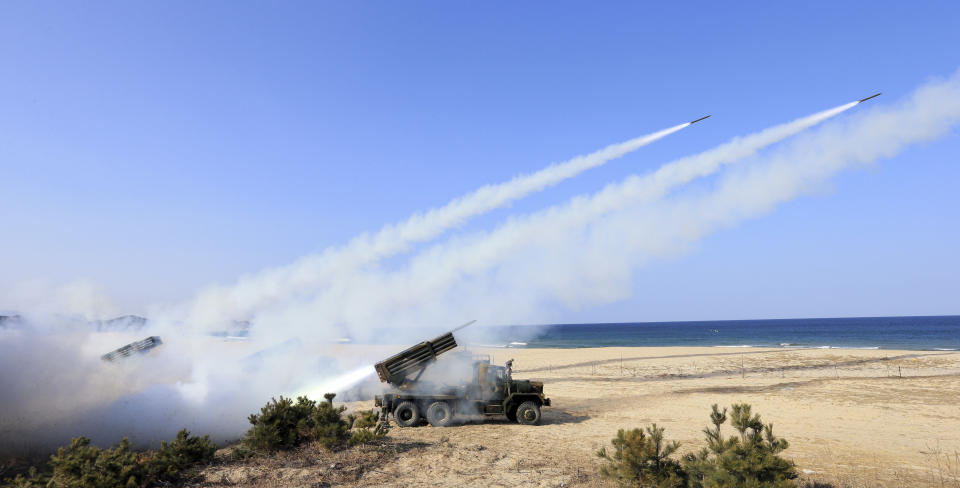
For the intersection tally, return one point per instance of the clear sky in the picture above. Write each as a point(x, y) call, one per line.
point(155, 147)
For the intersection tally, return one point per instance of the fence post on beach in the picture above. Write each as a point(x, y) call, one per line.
point(743, 374)
point(900, 372)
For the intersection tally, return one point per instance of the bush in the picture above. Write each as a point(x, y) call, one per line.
point(331, 428)
point(33, 479)
point(82, 465)
point(363, 436)
point(281, 424)
point(364, 419)
point(171, 460)
point(750, 459)
point(642, 459)
point(365, 427)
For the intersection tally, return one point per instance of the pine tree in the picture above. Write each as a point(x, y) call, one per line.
point(643, 459)
point(747, 460)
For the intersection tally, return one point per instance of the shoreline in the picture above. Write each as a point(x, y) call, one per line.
point(721, 346)
point(920, 333)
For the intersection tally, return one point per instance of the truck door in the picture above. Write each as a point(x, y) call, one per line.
point(493, 387)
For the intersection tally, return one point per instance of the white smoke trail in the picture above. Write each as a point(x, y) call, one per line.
point(569, 270)
point(217, 304)
point(443, 265)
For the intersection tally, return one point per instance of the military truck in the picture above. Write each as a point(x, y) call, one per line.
point(492, 391)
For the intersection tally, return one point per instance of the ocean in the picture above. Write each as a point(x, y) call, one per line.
point(913, 333)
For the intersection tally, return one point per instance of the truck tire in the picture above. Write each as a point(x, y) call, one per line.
point(439, 414)
point(407, 414)
point(528, 413)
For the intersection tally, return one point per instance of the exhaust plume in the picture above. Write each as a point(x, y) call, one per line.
point(516, 274)
point(219, 304)
point(440, 266)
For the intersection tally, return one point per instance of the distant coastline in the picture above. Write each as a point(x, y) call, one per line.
point(922, 333)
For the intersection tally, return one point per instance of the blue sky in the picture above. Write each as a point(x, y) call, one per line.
point(157, 147)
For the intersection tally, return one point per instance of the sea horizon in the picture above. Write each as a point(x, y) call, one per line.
point(923, 333)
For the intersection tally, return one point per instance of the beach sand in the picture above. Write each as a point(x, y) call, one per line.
point(852, 417)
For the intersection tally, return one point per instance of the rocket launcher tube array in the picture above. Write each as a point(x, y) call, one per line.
point(397, 368)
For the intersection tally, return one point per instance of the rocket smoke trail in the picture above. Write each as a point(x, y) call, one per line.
point(444, 264)
point(239, 301)
point(585, 252)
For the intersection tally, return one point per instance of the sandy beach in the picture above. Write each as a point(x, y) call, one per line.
point(852, 417)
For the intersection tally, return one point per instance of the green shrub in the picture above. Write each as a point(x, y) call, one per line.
point(33, 479)
point(643, 460)
point(749, 459)
point(364, 419)
point(171, 460)
point(363, 436)
point(332, 430)
point(281, 424)
point(82, 465)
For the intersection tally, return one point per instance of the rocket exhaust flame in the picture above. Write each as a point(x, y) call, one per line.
point(336, 385)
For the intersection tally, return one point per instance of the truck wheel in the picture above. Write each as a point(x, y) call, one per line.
point(439, 414)
point(528, 413)
point(407, 414)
